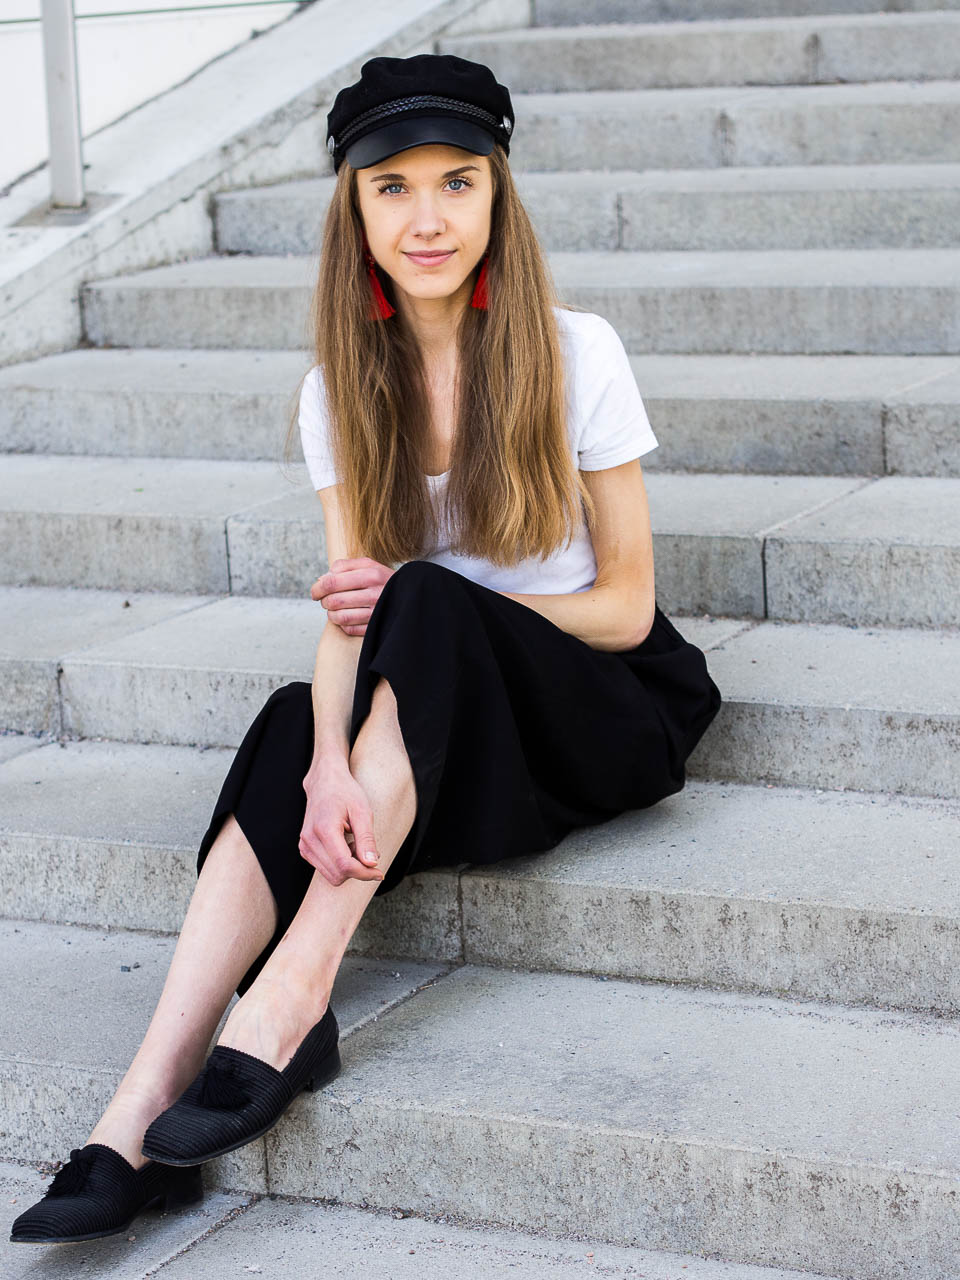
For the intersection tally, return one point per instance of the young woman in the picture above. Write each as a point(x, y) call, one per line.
point(494, 670)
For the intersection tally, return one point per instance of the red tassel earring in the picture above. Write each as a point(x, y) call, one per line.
point(480, 296)
point(381, 307)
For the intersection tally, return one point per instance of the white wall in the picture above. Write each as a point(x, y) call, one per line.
point(122, 61)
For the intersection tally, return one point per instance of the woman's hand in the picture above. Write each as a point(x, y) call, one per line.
point(349, 591)
point(335, 802)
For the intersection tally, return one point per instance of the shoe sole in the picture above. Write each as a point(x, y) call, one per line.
point(328, 1069)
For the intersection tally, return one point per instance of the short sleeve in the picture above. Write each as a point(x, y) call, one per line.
point(614, 426)
point(314, 436)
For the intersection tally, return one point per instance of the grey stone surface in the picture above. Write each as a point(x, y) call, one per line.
point(784, 207)
point(830, 301)
point(15, 744)
point(281, 1237)
point(866, 301)
point(201, 679)
point(840, 896)
point(923, 428)
point(106, 833)
point(802, 414)
point(877, 123)
point(826, 894)
point(73, 1019)
point(887, 553)
point(765, 1131)
point(179, 404)
point(39, 624)
point(154, 1239)
point(572, 12)
point(709, 534)
point(708, 539)
point(790, 50)
point(139, 523)
point(828, 705)
point(209, 302)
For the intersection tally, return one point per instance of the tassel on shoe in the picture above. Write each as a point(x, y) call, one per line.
point(99, 1193)
point(237, 1098)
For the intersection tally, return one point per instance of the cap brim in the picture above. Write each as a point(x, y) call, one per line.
point(403, 134)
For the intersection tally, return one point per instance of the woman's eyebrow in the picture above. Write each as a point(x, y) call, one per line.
point(449, 174)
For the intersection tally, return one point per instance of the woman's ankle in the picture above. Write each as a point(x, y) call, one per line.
point(272, 1018)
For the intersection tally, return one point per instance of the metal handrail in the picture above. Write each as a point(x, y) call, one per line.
point(62, 85)
point(137, 13)
point(63, 104)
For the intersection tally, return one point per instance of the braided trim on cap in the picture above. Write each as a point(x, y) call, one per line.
point(386, 109)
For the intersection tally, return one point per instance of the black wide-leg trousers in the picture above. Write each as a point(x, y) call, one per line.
point(517, 732)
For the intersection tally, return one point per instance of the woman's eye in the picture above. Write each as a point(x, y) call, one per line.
point(388, 185)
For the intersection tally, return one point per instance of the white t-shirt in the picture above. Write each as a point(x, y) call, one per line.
point(607, 425)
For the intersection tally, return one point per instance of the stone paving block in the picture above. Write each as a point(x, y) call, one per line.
point(284, 1236)
point(785, 207)
point(200, 680)
point(877, 123)
point(825, 705)
point(922, 427)
point(830, 301)
point(760, 1130)
point(832, 895)
point(798, 49)
point(816, 301)
point(138, 523)
point(39, 624)
point(57, 1078)
point(210, 302)
point(568, 13)
point(801, 414)
point(106, 833)
point(709, 531)
point(178, 404)
point(154, 1239)
point(887, 553)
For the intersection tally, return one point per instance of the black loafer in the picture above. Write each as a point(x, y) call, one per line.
point(99, 1193)
point(237, 1098)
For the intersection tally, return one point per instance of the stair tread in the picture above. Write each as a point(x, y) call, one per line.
point(844, 849)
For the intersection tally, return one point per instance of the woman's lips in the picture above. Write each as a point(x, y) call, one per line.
point(429, 260)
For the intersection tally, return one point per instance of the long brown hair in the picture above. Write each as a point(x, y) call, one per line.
point(514, 490)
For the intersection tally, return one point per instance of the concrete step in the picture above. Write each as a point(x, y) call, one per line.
point(752, 1129)
point(151, 524)
point(229, 1228)
point(58, 1077)
point(823, 894)
point(156, 403)
point(818, 415)
point(913, 206)
point(830, 301)
point(573, 12)
point(819, 705)
point(804, 548)
point(802, 415)
point(881, 122)
point(802, 49)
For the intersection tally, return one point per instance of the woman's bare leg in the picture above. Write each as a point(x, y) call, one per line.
point(231, 918)
point(292, 990)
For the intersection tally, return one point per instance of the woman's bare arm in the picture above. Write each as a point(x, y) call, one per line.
point(616, 613)
point(335, 669)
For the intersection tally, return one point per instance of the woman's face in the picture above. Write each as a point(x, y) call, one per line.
point(427, 198)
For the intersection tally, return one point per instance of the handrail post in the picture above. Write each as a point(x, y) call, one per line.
point(63, 104)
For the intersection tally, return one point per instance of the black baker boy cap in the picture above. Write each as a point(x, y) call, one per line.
point(405, 102)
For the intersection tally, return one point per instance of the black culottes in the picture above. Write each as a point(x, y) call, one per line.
point(517, 732)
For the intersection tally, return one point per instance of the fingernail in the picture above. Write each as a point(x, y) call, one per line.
point(371, 856)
